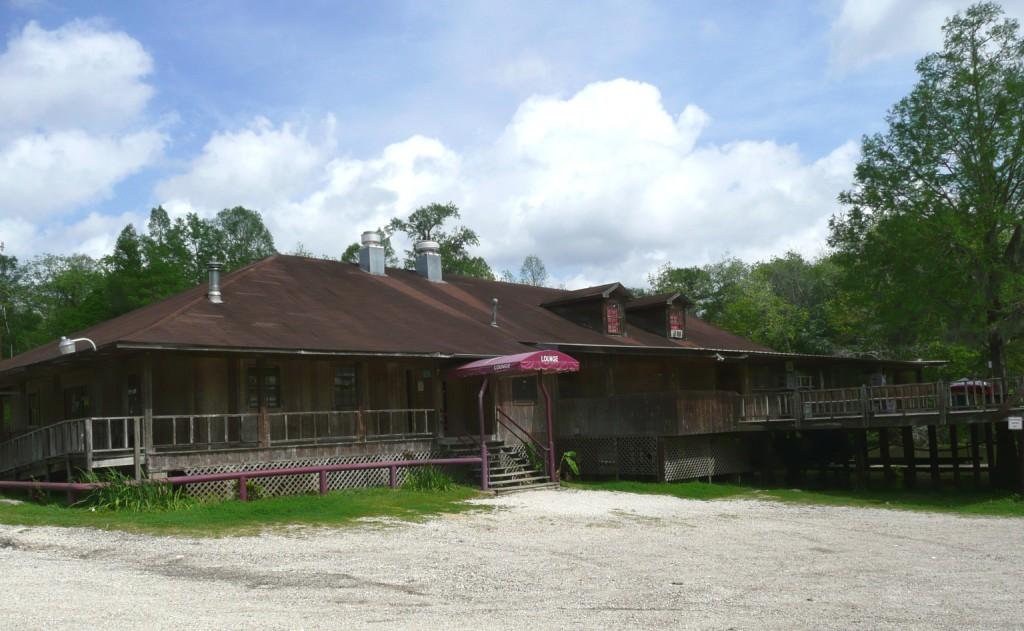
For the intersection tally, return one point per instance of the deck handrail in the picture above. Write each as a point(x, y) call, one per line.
point(242, 477)
point(59, 439)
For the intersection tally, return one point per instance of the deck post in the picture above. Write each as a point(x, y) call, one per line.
point(883, 452)
point(990, 453)
point(323, 482)
point(137, 447)
point(88, 444)
point(933, 453)
point(909, 457)
point(975, 454)
point(954, 453)
point(860, 454)
point(865, 405)
point(393, 476)
point(147, 402)
point(942, 396)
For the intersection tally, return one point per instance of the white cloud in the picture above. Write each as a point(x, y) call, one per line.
point(71, 123)
point(256, 166)
point(867, 31)
point(43, 174)
point(78, 76)
point(606, 184)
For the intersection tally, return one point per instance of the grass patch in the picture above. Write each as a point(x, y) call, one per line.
point(964, 502)
point(239, 518)
point(959, 501)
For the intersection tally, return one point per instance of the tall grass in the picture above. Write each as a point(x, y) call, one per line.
point(122, 493)
point(427, 478)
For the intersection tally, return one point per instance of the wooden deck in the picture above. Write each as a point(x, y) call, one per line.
point(698, 412)
point(99, 442)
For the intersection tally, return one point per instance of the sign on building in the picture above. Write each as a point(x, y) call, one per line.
point(1015, 422)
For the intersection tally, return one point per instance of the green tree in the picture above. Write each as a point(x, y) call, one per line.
point(709, 286)
point(427, 224)
point(931, 233)
point(241, 237)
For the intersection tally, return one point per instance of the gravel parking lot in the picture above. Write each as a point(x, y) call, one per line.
point(542, 559)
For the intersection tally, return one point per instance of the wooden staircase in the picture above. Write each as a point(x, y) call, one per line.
point(509, 468)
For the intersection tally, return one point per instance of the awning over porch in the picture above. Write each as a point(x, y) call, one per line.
point(547, 362)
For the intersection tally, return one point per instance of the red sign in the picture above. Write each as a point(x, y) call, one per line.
point(675, 320)
point(613, 318)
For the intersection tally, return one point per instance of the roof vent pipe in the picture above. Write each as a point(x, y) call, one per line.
point(494, 312)
point(371, 254)
point(428, 260)
point(213, 291)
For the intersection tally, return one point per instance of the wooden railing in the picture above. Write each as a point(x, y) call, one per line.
point(349, 425)
point(46, 443)
point(122, 436)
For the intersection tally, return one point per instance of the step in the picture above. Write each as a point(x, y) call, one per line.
point(515, 474)
point(517, 481)
point(526, 487)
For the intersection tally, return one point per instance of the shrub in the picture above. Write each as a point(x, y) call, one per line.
point(122, 493)
point(536, 462)
point(427, 478)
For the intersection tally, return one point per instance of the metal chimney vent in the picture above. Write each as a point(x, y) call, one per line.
point(213, 291)
point(371, 255)
point(428, 260)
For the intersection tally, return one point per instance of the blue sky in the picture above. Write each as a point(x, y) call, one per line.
point(606, 137)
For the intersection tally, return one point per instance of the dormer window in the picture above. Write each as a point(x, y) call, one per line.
point(676, 323)
point(662, 314)
point(597, 308)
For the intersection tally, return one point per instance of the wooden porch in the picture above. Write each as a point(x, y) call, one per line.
point(139, 441)
point(692, 412)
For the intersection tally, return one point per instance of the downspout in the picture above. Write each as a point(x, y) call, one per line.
point(552, 473)
point(484, 475)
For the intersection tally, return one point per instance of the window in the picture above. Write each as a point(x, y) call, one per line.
point(346, 391)
point(33, 409)
point(524, 390)
point(77, 403)
point(613, 318)
point(675, 322)
point(265, 382)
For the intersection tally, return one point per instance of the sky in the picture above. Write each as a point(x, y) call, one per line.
point(608, 138)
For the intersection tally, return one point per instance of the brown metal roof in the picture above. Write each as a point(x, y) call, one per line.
point(587, 293)
point(289, 303)
point(658, 300)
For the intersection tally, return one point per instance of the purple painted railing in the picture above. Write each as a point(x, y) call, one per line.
point(74, 488)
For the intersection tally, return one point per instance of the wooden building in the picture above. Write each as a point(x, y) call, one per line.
point(298, 360)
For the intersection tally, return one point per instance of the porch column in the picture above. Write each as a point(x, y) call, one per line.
point(909, 457)
point(147, 402)
point(484, 474)
point(883, 452)
point(933, 453)
point(975, 454)
point(552, 473)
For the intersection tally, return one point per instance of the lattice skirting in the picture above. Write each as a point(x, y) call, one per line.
point(689, 457)
point(300, 484)
point(630, 456)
